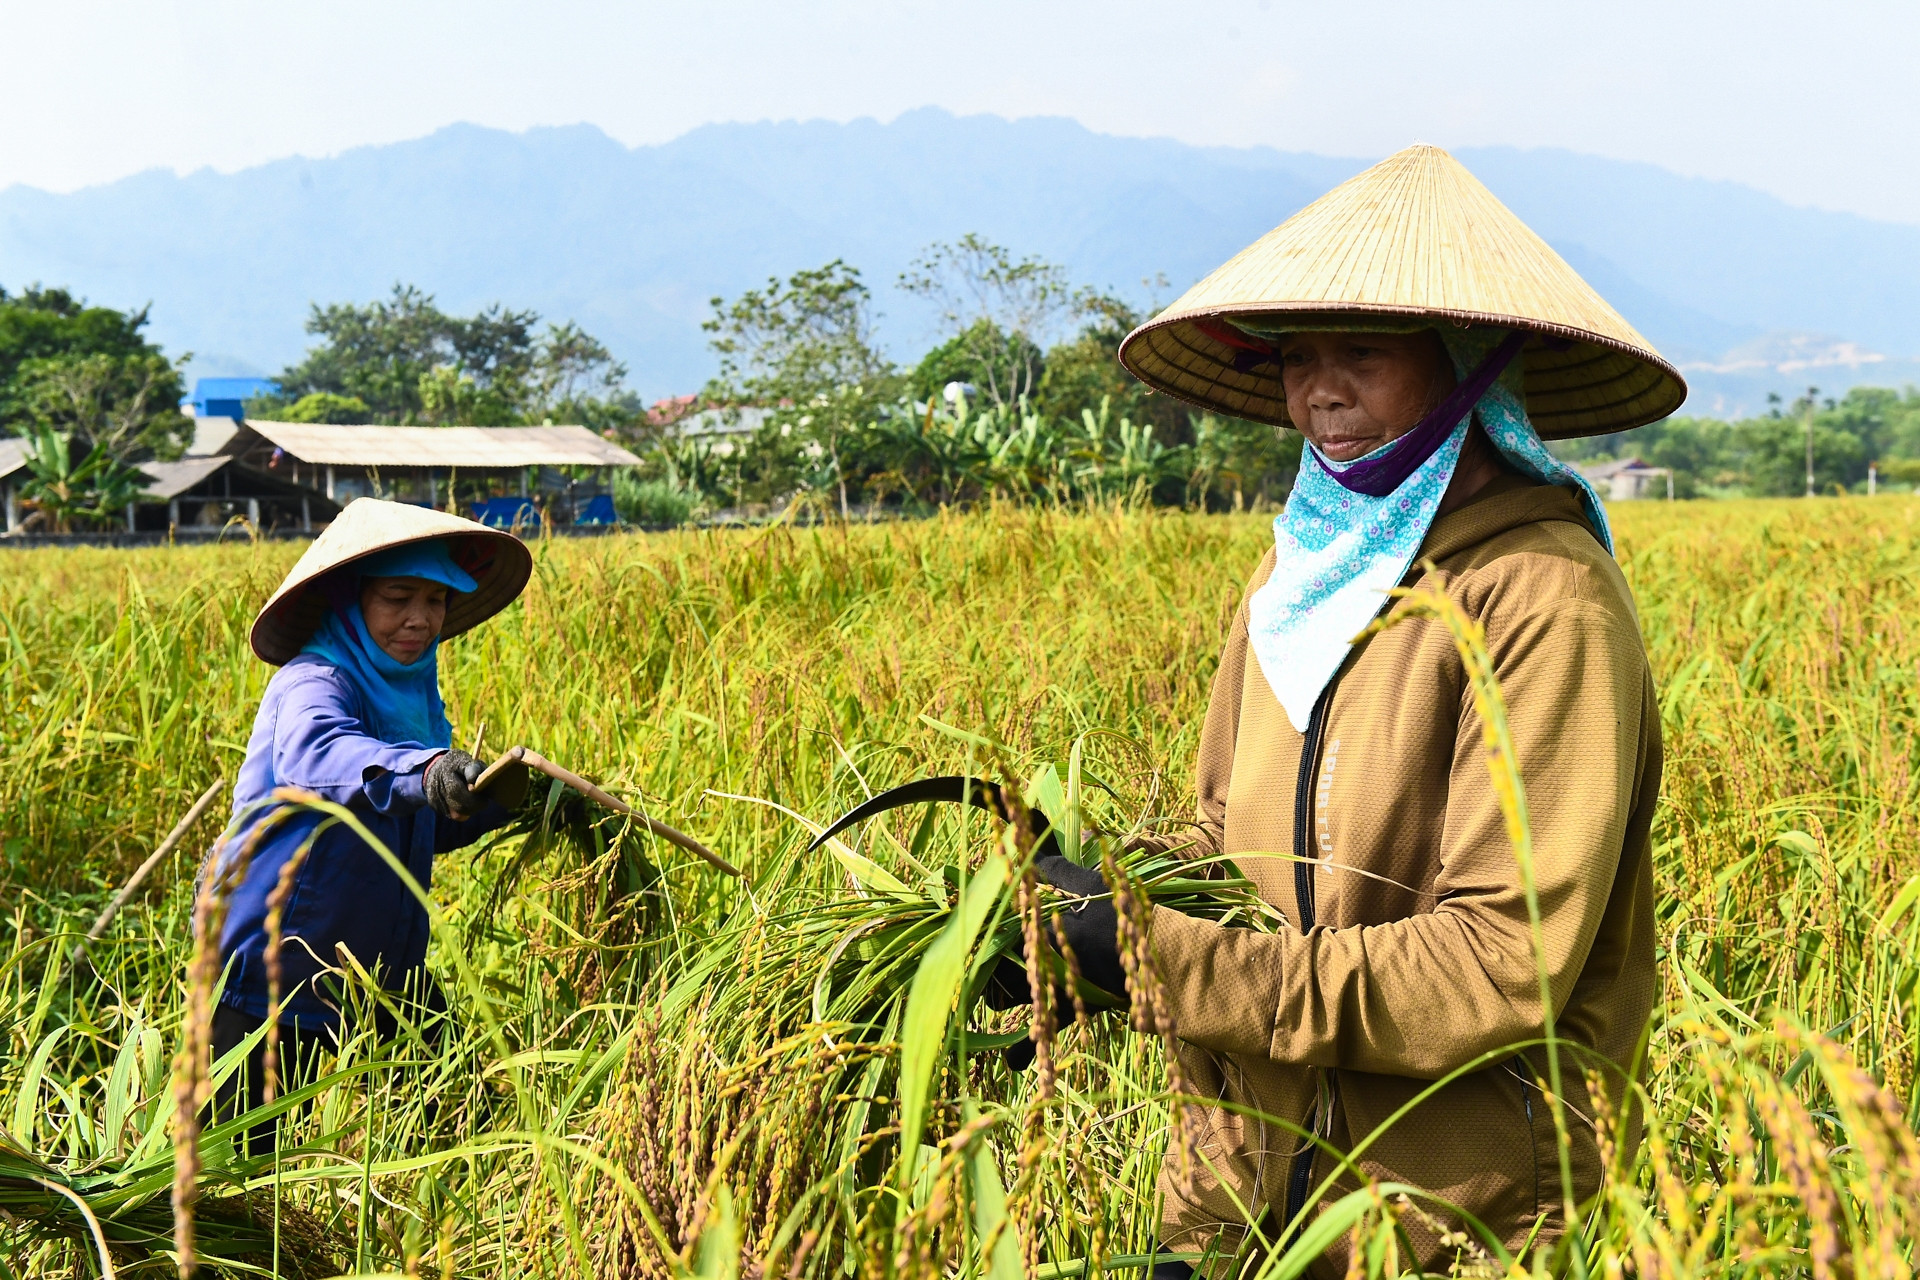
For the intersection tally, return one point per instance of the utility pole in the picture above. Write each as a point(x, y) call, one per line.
point(1808, 416)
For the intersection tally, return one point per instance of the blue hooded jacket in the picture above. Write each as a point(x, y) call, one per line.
point(319, 729)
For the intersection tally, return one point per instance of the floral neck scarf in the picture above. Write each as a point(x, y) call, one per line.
point(1338, 550)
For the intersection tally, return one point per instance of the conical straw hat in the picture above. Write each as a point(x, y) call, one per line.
point(499, 563)
point(1414, 236)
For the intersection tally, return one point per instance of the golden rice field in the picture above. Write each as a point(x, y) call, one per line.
point(656, 1071)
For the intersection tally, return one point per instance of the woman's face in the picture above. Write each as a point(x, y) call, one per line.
point(1350, 393)
point(403, 615)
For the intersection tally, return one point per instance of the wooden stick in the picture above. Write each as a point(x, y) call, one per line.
point(132, 886)
point(534, 760)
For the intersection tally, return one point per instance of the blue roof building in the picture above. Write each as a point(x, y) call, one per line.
point(226, 397)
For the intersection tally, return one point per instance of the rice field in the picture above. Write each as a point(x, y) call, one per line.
point(654, 1070)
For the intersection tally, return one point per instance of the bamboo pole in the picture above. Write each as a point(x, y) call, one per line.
point(534, 760)
point(139, 877)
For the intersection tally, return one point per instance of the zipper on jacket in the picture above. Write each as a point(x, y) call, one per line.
point(1300, 1174)
point(1524, 1071)
point(1303, 809)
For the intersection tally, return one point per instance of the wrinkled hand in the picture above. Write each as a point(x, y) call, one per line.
point(449, 783)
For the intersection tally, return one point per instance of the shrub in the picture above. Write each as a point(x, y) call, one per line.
point(655, 502)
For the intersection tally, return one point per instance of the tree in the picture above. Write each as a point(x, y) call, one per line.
point(1775, 451)
point(88, 371)
point(999, 310)
point(795, 339)
point(1886, 422)
point(1698, 451)
point(377, 353)
point(66, 489)
point(1085, 369)
point(804, 348)
point(320, 406)
point(406, 360)
point(449, 397)
point(125, 405)
point(572, 367)
point(961, 359)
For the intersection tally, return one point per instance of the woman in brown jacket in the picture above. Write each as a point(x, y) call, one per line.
point(1423, 340)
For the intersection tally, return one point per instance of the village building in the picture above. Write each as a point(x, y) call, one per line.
point(192, 495)
point(1622, 479)
point(504, 476)
point(296, 476)
point(205, 495)
point(13, 473)
point(225, 397)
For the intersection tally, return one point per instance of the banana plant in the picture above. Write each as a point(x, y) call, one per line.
point(91, 490)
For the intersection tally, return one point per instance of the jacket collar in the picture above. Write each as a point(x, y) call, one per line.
point(1508, 502)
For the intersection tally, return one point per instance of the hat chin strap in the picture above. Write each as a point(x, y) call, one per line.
point(1380, 475)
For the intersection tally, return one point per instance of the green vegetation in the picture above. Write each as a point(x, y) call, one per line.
point(1020, 397)
point(402, 359)
point(840, 428)
point(655, 503)
point(86, 370)
point(70, 489)
point(656, 1071)
point(1768, 454)
point(91, 396)
point(990, 412)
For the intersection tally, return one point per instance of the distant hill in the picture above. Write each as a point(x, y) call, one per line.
point(1746, 292)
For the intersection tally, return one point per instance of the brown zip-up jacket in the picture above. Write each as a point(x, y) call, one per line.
point(1412, 954)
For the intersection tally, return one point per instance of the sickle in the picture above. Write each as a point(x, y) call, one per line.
point(953, 789)
point(534, 760)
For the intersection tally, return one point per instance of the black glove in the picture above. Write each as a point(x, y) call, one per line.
point(448, 782)
point(1091, 928)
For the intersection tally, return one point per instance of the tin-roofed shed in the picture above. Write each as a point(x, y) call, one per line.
point(567, 465)
point(191, 495)
point(201, 495)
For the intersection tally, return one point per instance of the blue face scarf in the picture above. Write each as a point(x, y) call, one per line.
point(403, 699)
point(1338, 550)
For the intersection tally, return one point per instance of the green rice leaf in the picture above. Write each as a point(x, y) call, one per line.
point(718, 1257)
point(990, 1222)
point(869, 874)
point(1045, 793)
point(1322, 1230)
point(121, 1092)
point(923, 1036)
point(1799, 842)
point(26, 1103)
point(1069, 810)
point(1902, 902)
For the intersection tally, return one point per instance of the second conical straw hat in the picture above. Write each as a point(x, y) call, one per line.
point(1416, 236)
point(498, 562)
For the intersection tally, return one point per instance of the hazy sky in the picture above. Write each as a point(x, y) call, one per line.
point(1817, 103)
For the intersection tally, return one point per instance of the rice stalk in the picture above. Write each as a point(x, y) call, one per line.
point(792, 664)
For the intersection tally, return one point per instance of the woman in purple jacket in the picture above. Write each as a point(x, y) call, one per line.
point(354, 716)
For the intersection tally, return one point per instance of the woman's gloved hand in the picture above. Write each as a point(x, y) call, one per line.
point(449, 781)
point(1091, 927)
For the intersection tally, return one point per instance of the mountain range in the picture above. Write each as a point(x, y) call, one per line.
point(1749, 295)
